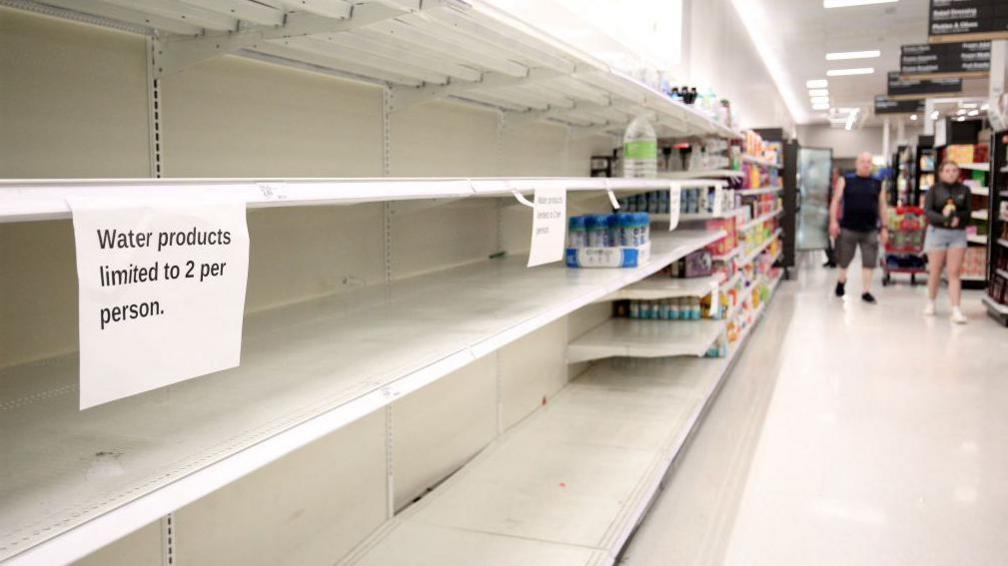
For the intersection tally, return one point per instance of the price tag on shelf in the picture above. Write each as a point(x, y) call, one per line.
point(273, 191)
point(548, 231)
point(674, 202)
point(161, 292)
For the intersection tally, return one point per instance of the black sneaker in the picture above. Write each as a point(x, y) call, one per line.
point(868, 297)
point(840, 289)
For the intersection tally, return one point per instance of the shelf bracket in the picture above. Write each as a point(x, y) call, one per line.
point(178, 54)
point(581, 132)
point(411, 96)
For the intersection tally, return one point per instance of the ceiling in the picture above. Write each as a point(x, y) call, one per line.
point(804, 32)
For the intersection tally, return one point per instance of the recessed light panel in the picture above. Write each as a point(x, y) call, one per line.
point(849, 3)
point(846, 72)
point(843, 55)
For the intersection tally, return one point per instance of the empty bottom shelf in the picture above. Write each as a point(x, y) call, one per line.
point(569, 484)
point(645, 339)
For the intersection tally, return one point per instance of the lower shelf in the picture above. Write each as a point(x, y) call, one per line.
point(662, 286)
point(994, 307)
point(73, 481)
point(645, 339)
point(567, 486)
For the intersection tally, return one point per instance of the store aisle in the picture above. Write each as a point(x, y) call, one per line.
point(847, 434)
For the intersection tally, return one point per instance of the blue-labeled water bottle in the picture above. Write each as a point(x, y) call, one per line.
point(613, 232)
point(597, 226)
point(577, 232)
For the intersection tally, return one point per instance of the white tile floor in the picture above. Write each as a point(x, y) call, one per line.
point(847, 434)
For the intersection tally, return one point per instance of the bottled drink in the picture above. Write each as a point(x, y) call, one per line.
point(640, 150)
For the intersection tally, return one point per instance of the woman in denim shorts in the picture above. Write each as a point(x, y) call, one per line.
point(948, 211)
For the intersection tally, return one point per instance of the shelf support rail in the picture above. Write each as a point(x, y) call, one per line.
point(178, 54)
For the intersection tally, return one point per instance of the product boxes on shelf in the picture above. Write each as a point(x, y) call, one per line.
point(960, 153)
point(729, 242)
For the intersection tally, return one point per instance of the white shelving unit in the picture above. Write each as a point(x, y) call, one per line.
point(975, 166)
point(29, 200)
point(699, 174)
point(637, 338)
point(732, 281)
point(238, 420)
point(1003, 309)
point(761, 191)
point(750, 257)
point(312, 367)
point(761, 162)
point(980, 191)
point(976, 238)
point(727, 256)
point(761, 219)
point(568, 486)
point(663, 287)
point(1002, 273)
point(470, 52)
point(1002, 242)
point(979, 214)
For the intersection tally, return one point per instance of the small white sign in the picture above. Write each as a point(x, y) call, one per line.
point(674, 202)
point(548, 226)
point(162, 293)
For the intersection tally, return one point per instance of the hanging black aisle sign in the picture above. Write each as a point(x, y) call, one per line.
point(961, 59)
point(962, 20)
point(899, 87)
point(886, 105)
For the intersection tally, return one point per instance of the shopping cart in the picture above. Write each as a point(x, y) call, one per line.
point(904, 252)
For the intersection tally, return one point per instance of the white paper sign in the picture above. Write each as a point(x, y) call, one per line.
point(162, 293)
point(548, 229)
point(674, 202)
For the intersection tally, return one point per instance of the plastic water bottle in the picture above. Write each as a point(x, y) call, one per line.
point(577, 233)
point(640, 150)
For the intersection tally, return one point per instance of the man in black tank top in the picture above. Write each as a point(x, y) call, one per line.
point(857, 211)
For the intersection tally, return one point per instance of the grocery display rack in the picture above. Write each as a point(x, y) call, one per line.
point(464, 51)
point(571, 483)
point(345, 356)
point(995, 300)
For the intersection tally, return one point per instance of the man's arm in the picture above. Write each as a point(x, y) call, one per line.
point(834, 208)
point(883, 214)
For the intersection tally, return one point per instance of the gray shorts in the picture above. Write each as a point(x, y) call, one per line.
point(941, 239)
point(849, 240)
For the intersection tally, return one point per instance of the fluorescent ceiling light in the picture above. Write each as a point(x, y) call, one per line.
point(968, 104)
point(845, 72)
point(847, 3)
point(934, 115)
point(816, 83)
point(960, 112)
point(820, 99)
point(818, 92)
point(973, 113)
point(985, 107)
point(842, 55)
point(961, 119)
point(820, 106)
point(913, 116)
